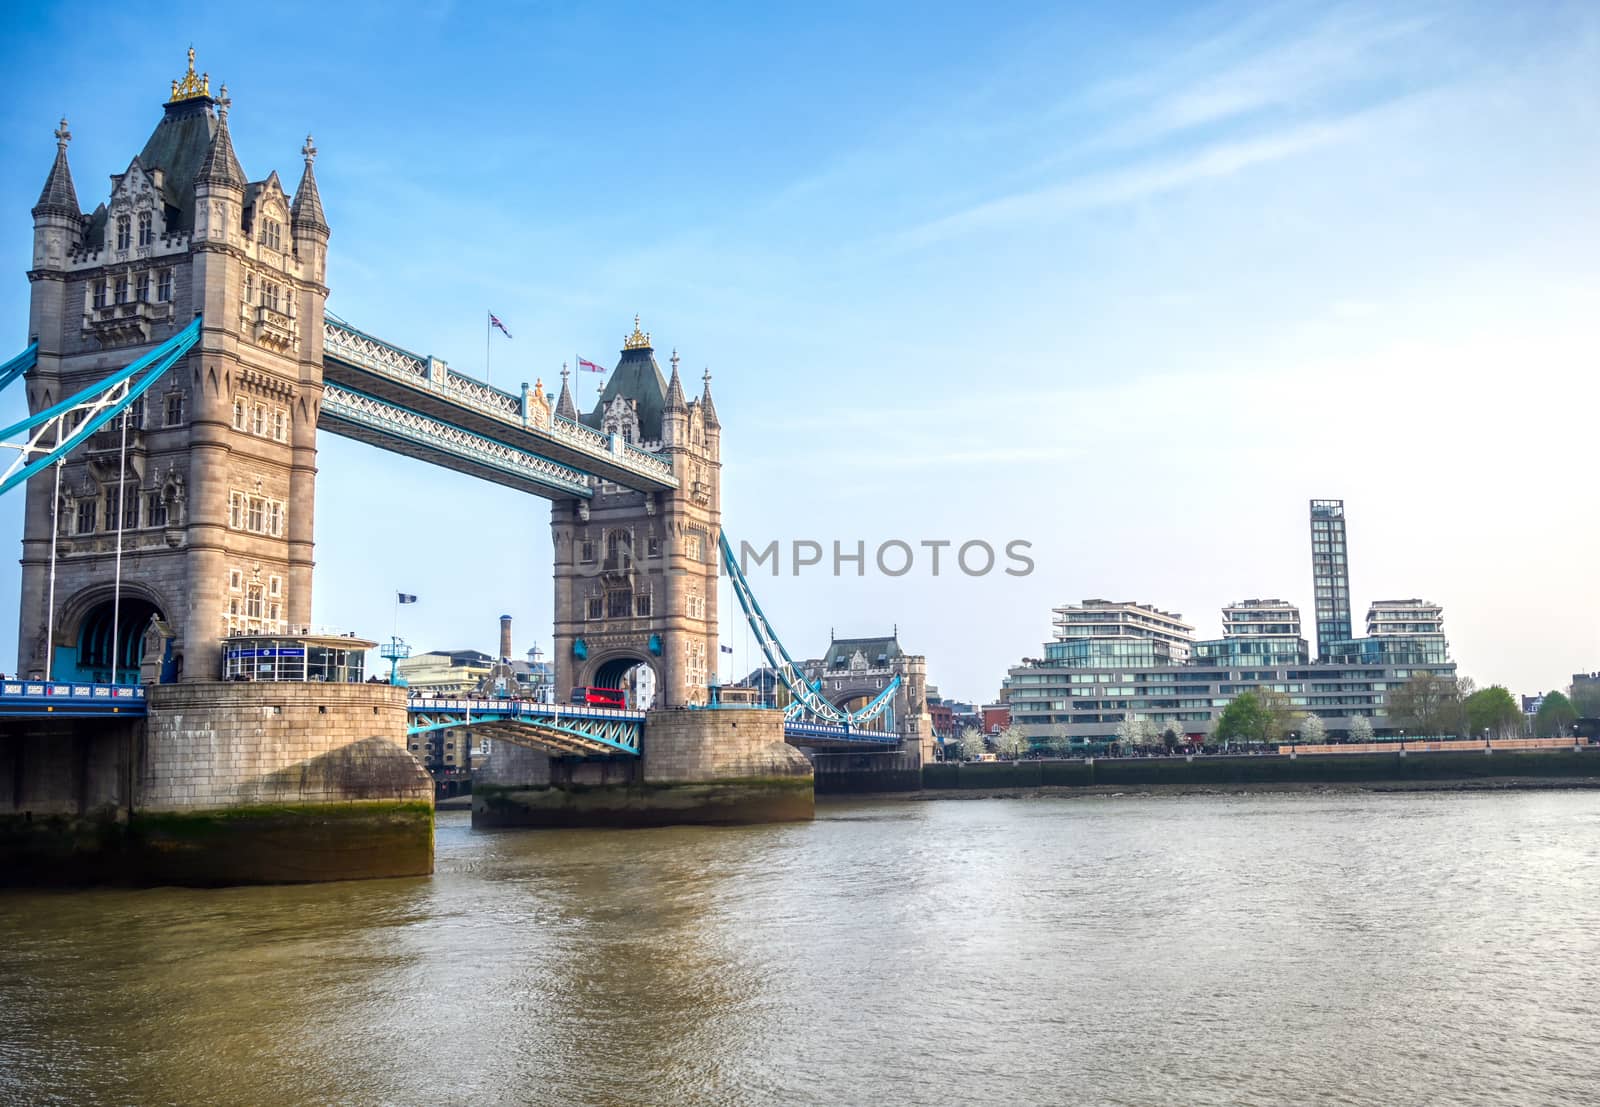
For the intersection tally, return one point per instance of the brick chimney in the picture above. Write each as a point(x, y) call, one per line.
point(505, 638)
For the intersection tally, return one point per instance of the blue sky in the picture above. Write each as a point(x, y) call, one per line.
point(1132, 284)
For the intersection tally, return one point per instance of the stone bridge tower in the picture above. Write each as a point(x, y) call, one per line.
point(636, 572)
point(854, 671)
point(217, 485)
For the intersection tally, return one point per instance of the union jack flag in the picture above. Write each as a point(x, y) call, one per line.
point(495, 322)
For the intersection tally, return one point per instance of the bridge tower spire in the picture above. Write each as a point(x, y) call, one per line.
point(217, 483)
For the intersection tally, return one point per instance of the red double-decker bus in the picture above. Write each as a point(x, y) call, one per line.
point(600, 697)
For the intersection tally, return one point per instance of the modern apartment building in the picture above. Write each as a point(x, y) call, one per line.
point(1100, 632)
point(1061, 696)
point(1330, 574)
point(1399, 632)
point(1256, 633)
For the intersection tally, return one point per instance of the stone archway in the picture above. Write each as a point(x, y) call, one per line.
point(85, 649)
point(631, 672)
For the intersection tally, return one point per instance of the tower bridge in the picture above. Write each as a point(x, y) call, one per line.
point(180, 361)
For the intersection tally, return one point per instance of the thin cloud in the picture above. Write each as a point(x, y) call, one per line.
point(1129, 185)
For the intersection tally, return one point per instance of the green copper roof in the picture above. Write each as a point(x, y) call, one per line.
point(177, 147)
point(638, 378)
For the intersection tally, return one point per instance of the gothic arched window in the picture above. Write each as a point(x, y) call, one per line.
point(146, 229)
point(124, 231)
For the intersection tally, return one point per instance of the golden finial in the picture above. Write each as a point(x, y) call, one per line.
point(638, 340)
point(189, 86)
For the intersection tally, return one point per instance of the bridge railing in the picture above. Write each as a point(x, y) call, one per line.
point(489, 706)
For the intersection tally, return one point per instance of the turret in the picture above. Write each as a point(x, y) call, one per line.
point(674, 411)
point(564, 405)
point(57, 221)
point(307, 224)
point(708, 412)
point(219, 182)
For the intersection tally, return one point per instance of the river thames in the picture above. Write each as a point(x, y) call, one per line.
point(1252, 949)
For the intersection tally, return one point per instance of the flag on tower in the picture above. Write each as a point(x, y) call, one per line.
point(405, 597)
point(495, 322)
point(727, 649)
point(590, 367)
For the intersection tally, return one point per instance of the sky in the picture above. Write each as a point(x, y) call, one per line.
point(1130, 283)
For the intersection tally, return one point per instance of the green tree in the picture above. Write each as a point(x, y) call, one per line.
point(1313, 731)
point(1173, 736)
point(1280, 715)
point(1360, 729)
point(1424, 704)
point(1495, 710)
point(1244, 720)
point(1555, 716)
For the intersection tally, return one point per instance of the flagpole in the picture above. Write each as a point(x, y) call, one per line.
point(487, 376)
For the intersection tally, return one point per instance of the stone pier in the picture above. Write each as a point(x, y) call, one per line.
point(222, 783)
point(723, 766)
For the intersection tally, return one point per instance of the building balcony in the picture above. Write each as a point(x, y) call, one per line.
point(127, 323)
point(273, 329)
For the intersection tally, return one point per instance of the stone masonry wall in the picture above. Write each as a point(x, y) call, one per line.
point(722, 744)
point(214, 745)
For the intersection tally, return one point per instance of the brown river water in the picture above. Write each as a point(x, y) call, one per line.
point(1252, 949)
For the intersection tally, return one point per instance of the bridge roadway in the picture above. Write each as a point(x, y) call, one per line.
point(42, 699)
point(378, 393)
point(560, 728)
point(586, 731)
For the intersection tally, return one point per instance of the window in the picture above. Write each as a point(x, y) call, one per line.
point(147, 232)
point(269, 295)
point(130, 510)
point(695, 605)
point(595, 605)
point(249, 287)
point(619, 603)
point(694, 546)
point(258, 419)
point(99, 294)
point(652, 546)
point(124, 229)
point(236, 510)
point(641, 606)
point(141, 288)
point(85, 517)
point(155, 510)
point(280, 424)
point(240, 418)
point(235, 580)
point(174, 409)
point(164, 286)
point(586, 551)
point(255, 514)
point(122, 290)
point(252, 602)
point(275, 586)
point(272, 234)
point(136, 414)
point(274, 518)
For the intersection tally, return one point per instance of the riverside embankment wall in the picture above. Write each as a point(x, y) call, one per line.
point(1566, 765)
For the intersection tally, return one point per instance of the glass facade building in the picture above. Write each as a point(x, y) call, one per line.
point(1330, 574)
point(1100, 632)
point(1084, 706)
